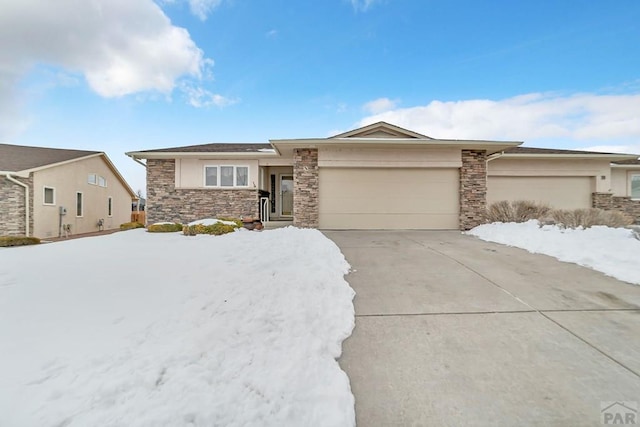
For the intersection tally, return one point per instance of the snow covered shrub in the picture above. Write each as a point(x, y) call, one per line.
point(586, 218)
point(164, 228)
point(516, 211)
point(131, 225)
point(238, 221)
point(18, 241)
point(215, 229)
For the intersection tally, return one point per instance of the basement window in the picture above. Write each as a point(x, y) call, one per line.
point(49, 196)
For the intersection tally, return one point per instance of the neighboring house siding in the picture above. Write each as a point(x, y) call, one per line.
point(165, 202)
point(305, 187)
point(12, 206)
point(69, 179)
point(473, 189)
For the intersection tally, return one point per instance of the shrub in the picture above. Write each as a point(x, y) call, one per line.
point(18, 241)
point(589, 217)
point(516, 211)
point(238, 221)
point(164, 228)
point(214, 229)
point(131, 225)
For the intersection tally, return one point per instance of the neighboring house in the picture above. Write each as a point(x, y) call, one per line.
point(379, 177)
point(44, 189)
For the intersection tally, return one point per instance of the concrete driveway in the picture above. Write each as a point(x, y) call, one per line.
point(451, 330)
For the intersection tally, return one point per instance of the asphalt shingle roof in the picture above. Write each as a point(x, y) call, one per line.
point(14, 158)
point(214, 148)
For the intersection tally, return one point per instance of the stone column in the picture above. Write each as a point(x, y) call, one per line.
point(305, 187)
point(602, 201)
point(473, 188)
point(161, 177)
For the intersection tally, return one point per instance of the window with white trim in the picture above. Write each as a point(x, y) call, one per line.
point(109, 206)
point(49, 196)
point(92, 179)
point(226, 176)
point(102, 181)
point(635, 186)
point(79, 204)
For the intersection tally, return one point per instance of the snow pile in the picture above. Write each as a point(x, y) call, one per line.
point(156, 329)
point(211, 221)
point(612, 251)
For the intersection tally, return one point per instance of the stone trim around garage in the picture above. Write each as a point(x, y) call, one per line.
point(305, 188)
point(167, 203)
point(12, 206)
point(473, 189)
point(609, 202)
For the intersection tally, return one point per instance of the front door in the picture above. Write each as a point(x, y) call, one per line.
point(286, 195)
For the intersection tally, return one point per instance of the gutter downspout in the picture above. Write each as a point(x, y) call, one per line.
point(135, 159)
point(495, 156)
point(26, 200)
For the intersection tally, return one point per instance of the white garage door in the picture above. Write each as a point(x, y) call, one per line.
point(563, 192)
point(388, 198)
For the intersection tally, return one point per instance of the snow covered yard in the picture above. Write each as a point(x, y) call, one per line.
point(612, 251)
point(142, 329)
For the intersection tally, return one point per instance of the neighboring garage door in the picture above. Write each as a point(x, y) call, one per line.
point(563, 192)
point(389, 198)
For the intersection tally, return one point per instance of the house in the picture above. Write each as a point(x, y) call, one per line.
point(380, 176)
point(45, 192)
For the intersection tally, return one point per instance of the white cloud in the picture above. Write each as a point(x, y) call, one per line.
point(574, 119)
point(121, 47)
point(272, 34)
point(202, 8)
point(363, 5)
point(379, 105)
point(199, 97)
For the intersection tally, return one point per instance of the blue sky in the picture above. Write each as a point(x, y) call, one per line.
point(122, 75)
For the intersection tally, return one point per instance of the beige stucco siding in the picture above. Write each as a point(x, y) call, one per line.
point(190, 172)
point(562, 192)
point(411, 157)
point(621, 181)
point(70, 178)
point(389, 198)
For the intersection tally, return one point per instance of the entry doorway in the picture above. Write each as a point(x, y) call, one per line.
point(286, 195)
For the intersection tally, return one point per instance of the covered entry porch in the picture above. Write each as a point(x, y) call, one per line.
point(276, 195)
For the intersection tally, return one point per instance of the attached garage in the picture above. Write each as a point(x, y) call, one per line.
point(561, 192)
point(389, 198)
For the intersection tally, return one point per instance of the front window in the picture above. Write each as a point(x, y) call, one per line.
point(49, 196)
point(226, 176)
point(79, 204)
point(635, 186)
point(211, 176)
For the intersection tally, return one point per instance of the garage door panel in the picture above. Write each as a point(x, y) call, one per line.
point(563, 192)
point(389, 198)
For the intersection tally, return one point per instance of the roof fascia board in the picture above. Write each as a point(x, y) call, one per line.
point(614, 165)
point(20, 174)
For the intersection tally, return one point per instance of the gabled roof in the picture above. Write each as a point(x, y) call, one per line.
point(381, 130)
point(16, 158)
point(22, 160)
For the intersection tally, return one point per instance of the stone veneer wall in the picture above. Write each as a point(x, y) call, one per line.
point(12, 206)
point(473, 188)
point(165, 202)
point(608, 201)
point(305, 187)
